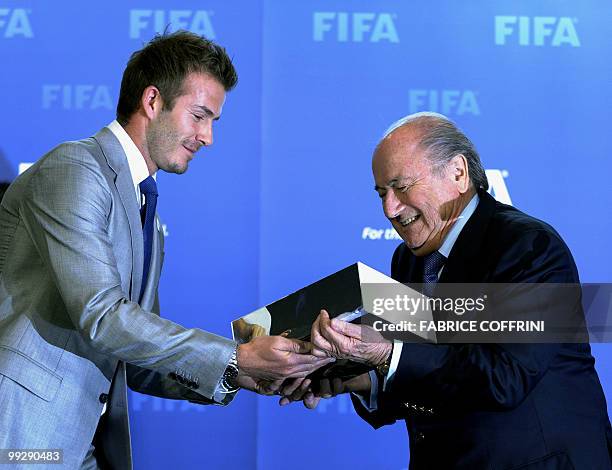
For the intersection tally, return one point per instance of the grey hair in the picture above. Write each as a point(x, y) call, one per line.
point(442, 140)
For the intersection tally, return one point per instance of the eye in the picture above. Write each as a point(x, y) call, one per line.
point(197, 117)
point(403, 189)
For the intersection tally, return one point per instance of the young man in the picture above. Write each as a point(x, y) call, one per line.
point(80, 261)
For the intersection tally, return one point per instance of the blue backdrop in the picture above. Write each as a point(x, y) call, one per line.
point(285, 195)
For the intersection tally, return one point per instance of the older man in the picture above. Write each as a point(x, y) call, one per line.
point(470, 406)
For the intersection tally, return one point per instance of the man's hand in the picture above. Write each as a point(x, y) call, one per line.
point(328, 388)
point(311, 393)
point(296, 390)
point(258, 386)
point(343, 340)
point(274, 358)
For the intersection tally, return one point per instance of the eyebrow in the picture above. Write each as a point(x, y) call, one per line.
point(206, 110)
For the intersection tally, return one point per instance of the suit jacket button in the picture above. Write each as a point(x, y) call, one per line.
point(420, 437)
point(103, 397)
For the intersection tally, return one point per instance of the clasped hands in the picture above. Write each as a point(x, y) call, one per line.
point(276, 365)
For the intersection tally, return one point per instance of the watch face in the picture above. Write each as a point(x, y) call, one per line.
point(231, 372)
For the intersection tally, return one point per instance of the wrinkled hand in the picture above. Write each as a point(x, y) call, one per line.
point(343, 340)
point(275, 358)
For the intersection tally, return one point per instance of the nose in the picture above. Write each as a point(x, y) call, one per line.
point(392, 206)
point(205, 132)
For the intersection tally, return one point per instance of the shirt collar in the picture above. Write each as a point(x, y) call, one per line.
point(453, 234)
point(136, 162)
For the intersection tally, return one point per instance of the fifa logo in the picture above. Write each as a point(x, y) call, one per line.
point(354, 27)
point(448, 102)
point(79, 97)
point(156, 21)
point(23, 166)
point(536, 31)
point(497, 185)
point(15, 23)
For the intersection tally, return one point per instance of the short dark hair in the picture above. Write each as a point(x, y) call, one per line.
point(165, 62)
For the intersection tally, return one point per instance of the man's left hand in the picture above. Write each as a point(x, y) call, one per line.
point(302, 389)
point(263, 387)
point(343, 340)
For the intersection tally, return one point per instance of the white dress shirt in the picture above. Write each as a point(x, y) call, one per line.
point(136, 162)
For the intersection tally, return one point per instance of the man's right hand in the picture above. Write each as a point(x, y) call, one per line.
point(274, 358)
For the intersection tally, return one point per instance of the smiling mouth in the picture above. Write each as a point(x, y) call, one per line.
point(406, 222)
point(189, 149)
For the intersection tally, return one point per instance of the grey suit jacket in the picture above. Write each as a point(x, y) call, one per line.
point(71, 256)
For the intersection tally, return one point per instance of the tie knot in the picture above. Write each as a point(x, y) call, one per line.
point(432, 264)
point(148, 186)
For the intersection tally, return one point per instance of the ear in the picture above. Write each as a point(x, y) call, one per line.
point(459, 172)
point(151, 102)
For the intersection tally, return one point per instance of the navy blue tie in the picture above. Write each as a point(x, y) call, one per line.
point(432, 263)
point(148, 188)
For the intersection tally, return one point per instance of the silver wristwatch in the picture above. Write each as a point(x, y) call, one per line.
point(231, 373)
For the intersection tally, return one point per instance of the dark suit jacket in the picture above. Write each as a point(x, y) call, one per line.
point(498, 406)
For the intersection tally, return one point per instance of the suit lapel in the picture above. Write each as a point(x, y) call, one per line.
point(464, 264)
point(117, 161)
point(465, 261)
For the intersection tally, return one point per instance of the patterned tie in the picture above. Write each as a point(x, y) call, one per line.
point(148, 188)
point(431, 267)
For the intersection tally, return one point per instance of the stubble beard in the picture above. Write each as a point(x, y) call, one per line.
point(163, 141)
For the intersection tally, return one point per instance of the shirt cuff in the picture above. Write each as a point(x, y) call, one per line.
point(223, 398)
point(395, 357)
point(370, 405)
